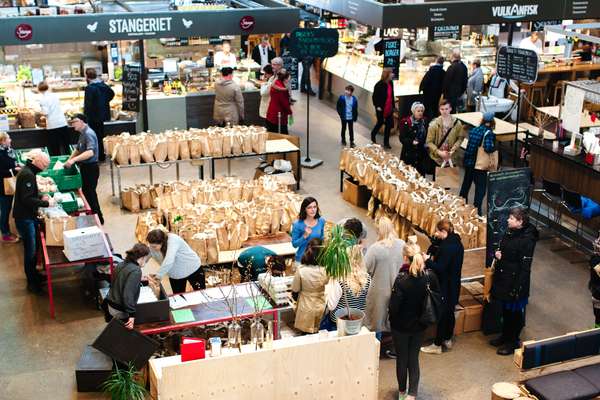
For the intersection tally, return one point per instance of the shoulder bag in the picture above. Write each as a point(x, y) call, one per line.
point(432, 305)
point(10, 184)
point(486, 161)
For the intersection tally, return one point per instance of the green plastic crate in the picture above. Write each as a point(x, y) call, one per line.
point(19, 153)
point(65, 179)
point(71, 205)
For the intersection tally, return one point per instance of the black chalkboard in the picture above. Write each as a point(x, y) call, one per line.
point(518, 64)
point(291, 65)
point(391, 55)
point(320, 42)
point(132, 76)
point(505, 189)
point(444, 32)
point(539, 25)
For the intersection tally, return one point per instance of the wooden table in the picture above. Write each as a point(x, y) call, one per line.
point(505, 131)
point(554, 112)
point(568, 69)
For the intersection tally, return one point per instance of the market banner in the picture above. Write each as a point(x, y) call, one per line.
point(134, 26)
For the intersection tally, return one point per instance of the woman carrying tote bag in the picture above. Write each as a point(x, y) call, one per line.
point(480, 157)
point(8, 171)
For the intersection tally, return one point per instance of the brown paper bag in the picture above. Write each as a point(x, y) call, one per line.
point(235, 241)
point(134, 153)
point(121, 154)
point(184, 149)
point(222, 237)
point(212, 250)
point(247, 144)
point(447, 177)
point(227, 145)
point(145, 198)
point(130, 200)
point(160, 151)
point(250, 219)
point(172, 149)
point(10, 184)
point(275, 219)
point(146, 153)
point(198, 244)
point(195, 147)
point(55, 228)
point(216, 145)
point(237, 142)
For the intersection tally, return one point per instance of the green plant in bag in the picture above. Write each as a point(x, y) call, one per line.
point(123, 384)
point(290, 120)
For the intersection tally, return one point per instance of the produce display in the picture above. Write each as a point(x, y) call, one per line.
point(408, 198)
point(220, 215)
point(46, 184)
point(194, 143)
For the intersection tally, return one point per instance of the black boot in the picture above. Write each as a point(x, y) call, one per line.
point(499, 341)
point(507, 349)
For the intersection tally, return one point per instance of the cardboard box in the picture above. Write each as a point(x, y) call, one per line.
point(459, 317)
point(93, 369)
point(85, 243)
point(473, 314)
point(473, 288)
point(356, 194)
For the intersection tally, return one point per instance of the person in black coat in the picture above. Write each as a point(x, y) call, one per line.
point(8, 168)
point(405, 311)
point(413, 135)
point(383, 101)
point(447, 266)
point(96, 106)
point(512, 276)
point(431, 87)
point(455, 81)
point(594, 284)
point(262, 54)
point(347, 109)
point(124, 292)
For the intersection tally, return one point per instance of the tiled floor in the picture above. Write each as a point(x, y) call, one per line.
point(38, 355)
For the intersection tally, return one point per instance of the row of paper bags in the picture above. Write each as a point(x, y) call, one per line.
point(173, 145)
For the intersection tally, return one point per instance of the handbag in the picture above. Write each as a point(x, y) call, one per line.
point(10, 184)
point(432, 305)
point(488, 280)
point(486, 161)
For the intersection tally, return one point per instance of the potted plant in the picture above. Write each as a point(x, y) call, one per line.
point(337, 256)
point(124, 384)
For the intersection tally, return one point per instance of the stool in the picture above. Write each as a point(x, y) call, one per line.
point(558, 87)
point(539, 89)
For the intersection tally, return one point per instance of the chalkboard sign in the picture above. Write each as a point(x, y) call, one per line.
point(539, 25)
point(321, 42)
point(444, 32)
point(291, 65)
point(132, 76)
point(506, 189)
point(391, 55)
point(518, 64)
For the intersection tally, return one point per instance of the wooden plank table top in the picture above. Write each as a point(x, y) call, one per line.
point(561, 69)
point(553, 111)
point(505, 131)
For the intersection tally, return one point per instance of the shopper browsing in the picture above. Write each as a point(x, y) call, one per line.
point(483, 135)
point(86, 155)
point(8, 169)
point(512, 277)
point(27, 200)
point(347, 109)
point(255, 260)
point(447, 265)
point(309, 283)
point(594, 284)
point(177, 260)
point(279, 112)
point(413, 135)
point(444, 136)
point(383, 101)
point(56, 123)
point(265, 92)
point(406, 305)
point(124, 291)
point(431, 87)
point(455, 81)
point(310, 225)
point(229, 101)
point(474, 84)
point(383, 261)
point(96, 107)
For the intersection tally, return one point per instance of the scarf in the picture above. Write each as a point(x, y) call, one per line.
point(419, 128)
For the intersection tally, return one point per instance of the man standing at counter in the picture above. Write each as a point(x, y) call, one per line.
point(225, 58)
point(533, 42)
point(455, 81)
point(86, 155)
point(97, 106)
point(262, 54)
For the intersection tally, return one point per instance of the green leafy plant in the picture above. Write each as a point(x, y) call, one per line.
point(124, 384)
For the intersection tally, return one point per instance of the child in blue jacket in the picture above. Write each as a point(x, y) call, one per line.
point(347, 108)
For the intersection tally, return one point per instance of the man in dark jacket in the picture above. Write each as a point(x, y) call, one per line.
point(96, 106)
point(455, 81)
point(27, 201)
point(431, 87)
point(262, 54)
point(347, 109)
point(447, 265)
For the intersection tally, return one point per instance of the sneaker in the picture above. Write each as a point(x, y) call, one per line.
point(432, 349)
point(9, 239)
point(410, 397)
point(448, 344)
point(391, 354)
point(343, 143)
point(402, 396)
point(352, 145)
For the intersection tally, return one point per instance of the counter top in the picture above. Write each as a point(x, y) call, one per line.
point(577, 67)
point(576, 160)
point(553, 111)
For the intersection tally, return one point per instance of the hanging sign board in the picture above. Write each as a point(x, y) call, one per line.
point(444, 32)
point(517, 64)
point(291, 65)
point(132, 77)
point(506, 189)
point(391, 55)
point(321, 42)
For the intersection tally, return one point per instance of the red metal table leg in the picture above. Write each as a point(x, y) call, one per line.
point(50, 294)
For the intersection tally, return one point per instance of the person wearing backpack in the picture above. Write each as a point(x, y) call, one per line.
point(481, 136)
point(405, 311)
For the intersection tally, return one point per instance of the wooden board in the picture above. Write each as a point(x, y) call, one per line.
point(304, 367)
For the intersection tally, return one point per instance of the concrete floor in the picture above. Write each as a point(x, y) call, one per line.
point(38, 355)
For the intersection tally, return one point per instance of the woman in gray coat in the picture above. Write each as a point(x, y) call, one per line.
point(383, 261)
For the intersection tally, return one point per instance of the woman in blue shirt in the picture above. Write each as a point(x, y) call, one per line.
point(309, 225)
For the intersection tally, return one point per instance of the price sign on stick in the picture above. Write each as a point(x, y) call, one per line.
point(132, 77)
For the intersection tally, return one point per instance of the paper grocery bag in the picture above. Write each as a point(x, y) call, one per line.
point(55, 228)
point(145, 198)
point(120, 154)
point(184, 149)
point(10, 184)
point(212, 250)
point(447, 176)
point(134, 153)
point(160, 151)
point(172, 149)
point(195, 147)
point(130, 199)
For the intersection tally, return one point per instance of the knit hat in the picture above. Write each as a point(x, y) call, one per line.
point(488, 116)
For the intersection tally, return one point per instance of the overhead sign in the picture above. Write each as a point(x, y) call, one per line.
point(132, 77)
point(391, 55)
point(247, 23)
point(518, 64)
point(444, 32)
point(320, 42)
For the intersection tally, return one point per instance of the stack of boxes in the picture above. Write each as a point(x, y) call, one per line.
point(469, 312)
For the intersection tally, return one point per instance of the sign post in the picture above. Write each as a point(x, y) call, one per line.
point(391, 55)
point(520, 65)
point(305, 43)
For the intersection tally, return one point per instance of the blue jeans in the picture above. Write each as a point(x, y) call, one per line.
point(26, 228)
point(5, 207)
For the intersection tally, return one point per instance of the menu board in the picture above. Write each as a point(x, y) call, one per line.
point(539, 25)
point(132, 76)
point(506, 189)
point(391, 55)
point(291, 65)
point(444, 32)
point(518, 64)
point(320, 42)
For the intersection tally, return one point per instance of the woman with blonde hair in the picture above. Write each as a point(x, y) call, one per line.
point(8, 168)
point(405, 311)
point(383, 261)
point(383, 101)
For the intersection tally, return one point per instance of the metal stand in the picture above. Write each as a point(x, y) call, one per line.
point(308, 162)
point(515, 156)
